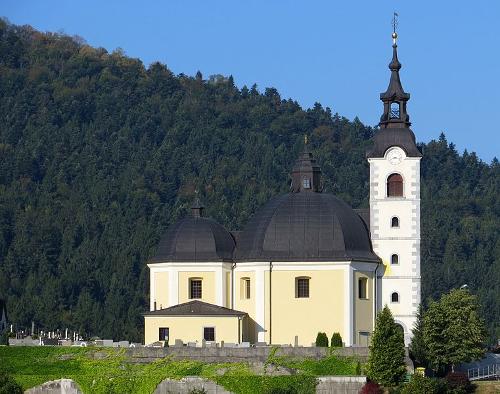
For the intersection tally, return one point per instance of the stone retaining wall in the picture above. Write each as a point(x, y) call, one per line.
point(188, 384)
point(230, 354)
point(61, 386)
point(340, 384)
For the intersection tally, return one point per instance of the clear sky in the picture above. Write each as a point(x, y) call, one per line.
point(332, 52)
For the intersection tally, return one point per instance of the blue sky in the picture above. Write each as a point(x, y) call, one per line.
point(332, 52)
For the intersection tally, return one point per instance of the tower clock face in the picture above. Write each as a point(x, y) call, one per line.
point(394, 156)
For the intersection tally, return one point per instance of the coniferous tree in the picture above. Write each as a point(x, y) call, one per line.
point(417, 345)
point(386, 361)
point(336, 340)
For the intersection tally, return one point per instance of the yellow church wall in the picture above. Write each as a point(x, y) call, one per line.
point(207, 286)
point(305, 317)
point(243, 304)
point(161, 289)
point(190, 328)
point(363, 308)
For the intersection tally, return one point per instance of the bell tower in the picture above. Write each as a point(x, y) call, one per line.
point(395, 203)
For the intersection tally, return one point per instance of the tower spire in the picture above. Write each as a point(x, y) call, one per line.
point(394, 98)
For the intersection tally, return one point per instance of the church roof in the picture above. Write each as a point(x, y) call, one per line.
point(195, 239)
point(196, 308)
point(305, 227)
point(305, 224)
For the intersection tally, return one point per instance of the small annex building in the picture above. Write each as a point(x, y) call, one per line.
point(306, 262)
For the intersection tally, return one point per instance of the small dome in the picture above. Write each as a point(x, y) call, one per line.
point(196, 239)
point(305, 227)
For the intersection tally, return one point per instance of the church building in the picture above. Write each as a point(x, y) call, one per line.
point(306, 262)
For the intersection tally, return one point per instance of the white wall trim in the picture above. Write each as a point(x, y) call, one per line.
point(152, 287)
point(260, 314)
point(349, 306)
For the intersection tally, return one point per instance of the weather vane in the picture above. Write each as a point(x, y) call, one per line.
point(394, 27)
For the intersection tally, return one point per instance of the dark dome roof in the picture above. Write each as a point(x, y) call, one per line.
point(305, 226)
point(385, 138)
point(195, 239)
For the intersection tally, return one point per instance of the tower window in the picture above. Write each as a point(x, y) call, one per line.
point(395, 222)
point(394, 110)
point(363, 288)
point(195, 288)
point(394, 259)
point(395, 297)
point(395, 185)
point(306, 183)
point(302, 287)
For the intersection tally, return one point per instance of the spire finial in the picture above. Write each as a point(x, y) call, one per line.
point(197, 207)
point(394, 28)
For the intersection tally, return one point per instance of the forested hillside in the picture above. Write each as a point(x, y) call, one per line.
point(99, 154)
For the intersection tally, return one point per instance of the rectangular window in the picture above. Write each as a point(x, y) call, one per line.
point(306, 183)
point(163, 334)
point(363, 288)
point(209, 334)
point(195, 288)
point(302, 288)
point(247, 288)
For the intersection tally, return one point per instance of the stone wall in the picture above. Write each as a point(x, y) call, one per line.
point(326, 385)
point(231, 354)
point(340, 384)
point(61, 386)
point(188, 384)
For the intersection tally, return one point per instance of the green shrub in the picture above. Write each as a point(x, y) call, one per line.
point(371, 388)
point(459, 383)
point(336, 340)
point(423, 385)
point(8, 385)
point(321, 340)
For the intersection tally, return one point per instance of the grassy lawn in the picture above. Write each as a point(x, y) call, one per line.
point(107, 370)
point(492, 387)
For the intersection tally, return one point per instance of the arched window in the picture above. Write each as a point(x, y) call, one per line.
point(394, 259)
point(302, 287)
point(394, 297)
point(395, 185)
point(395, 222)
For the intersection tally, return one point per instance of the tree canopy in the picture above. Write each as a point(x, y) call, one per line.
point(453, 331)
point(99, 154)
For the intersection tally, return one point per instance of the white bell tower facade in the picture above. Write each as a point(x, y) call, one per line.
point(395, 205)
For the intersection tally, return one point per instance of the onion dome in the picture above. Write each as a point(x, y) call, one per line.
point(195, 239)
point(305, 225)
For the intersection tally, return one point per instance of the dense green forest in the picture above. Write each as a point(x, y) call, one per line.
point(99, 154)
